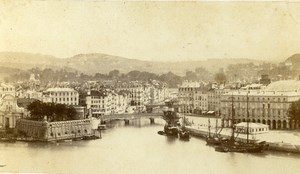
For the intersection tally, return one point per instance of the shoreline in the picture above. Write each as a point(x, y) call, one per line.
point(273, 146)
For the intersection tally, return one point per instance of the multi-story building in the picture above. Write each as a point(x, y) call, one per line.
point(268, 106)
point(99, 102)
point(186, 96)
point(9, 110)
point(201, 100)
point(66, 96)
point(214, 99)
point(106, 102)
point(121, 102)
point(139, 94)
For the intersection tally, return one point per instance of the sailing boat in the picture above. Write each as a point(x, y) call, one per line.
point(239, 146)
point(172, 120)
point(216, 139)
point(183, 134)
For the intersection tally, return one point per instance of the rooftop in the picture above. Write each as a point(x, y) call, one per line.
point(60, 90)
point(262, 93)
point(284, 85)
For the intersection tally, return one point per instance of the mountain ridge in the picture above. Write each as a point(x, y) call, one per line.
point(92, 63)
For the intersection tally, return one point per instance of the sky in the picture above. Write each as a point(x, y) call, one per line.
point(159, 31)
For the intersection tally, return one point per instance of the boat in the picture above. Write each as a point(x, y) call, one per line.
point(90, 137)
point(102, 127)
point(216, 139)
point(171, 130)
point(221, 149)
point(172, 122)
point(161, 132)
point(185, 135)
point(233, 145)
point(9, 139)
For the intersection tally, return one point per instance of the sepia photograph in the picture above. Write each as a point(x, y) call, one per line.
point(149, 87)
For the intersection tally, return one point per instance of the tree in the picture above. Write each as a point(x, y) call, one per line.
point(220, 78)
point(114, 73)
point(54, 112)
point(294, 111)
point(36, 110)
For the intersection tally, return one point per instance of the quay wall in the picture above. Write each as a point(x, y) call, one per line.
point(52, 131)
point(273, 146)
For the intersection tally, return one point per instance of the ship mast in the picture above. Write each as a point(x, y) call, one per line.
point(247, 118)
point(232, 119)
point(208, 127)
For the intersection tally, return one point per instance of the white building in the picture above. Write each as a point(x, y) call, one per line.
point(9, 110)
point(99, 103)
point(66, 96)
point(268, 106)
point(106, 102)
point(186, 96)
point(139, 94)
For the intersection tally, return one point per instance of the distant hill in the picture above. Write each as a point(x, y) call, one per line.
point(294, 59)
point(6, 71)
point(103, 63)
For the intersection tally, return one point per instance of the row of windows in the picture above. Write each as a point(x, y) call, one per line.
point(65, 99)
point(257, 99)
point(273, 112)
point(6, 89)
point(63, 93)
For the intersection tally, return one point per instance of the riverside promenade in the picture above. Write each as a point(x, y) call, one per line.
point(278, 140)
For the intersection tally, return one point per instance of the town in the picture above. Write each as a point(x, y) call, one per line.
point(164, 87)
point(270, 102)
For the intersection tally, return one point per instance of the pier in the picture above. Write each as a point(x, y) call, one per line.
point(273, 146)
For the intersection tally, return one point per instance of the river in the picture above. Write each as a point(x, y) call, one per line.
point(137, 148)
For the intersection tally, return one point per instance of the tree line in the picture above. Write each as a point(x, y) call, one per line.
point(49, 75)
point(52, 111)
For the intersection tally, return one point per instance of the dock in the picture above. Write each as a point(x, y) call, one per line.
point(273, 146)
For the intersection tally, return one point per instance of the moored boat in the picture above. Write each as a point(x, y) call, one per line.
point(233, 145)
point(184, 135)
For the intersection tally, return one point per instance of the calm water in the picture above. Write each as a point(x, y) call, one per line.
point(137, 148)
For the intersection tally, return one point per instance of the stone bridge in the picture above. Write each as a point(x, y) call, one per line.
point(127, 117)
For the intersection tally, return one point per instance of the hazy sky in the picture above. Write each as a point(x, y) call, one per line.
point(152, 30)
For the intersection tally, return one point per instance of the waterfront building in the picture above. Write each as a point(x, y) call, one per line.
point(99, 102)
point(9, 110)
point(268, 106)
point(106, 102)
point(139, 94)
point(200, 100)
point(214, 99)
point(186, 96)
point(121, 102)
point(66, 96)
